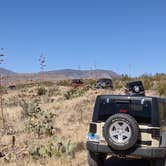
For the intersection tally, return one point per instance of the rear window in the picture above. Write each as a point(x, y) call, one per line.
point(139, 109)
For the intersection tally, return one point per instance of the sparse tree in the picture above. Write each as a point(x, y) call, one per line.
point(42, 63)
point(1, 91)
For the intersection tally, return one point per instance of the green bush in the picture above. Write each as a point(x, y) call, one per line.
point(70, 94)
point(76, 92)
point(41, 124)
point(55, 148)
point(38, 121)
point(31, 109)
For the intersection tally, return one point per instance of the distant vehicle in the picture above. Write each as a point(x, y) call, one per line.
point(135, 88)
point(77, 82)
point(12, 87)
point(104, 83)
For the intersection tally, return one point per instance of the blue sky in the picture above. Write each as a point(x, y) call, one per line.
point(108, 34)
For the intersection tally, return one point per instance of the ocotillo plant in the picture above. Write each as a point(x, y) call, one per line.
point(1, 91)
point(42, 63)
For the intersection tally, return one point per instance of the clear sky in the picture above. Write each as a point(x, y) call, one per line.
point(106, 34)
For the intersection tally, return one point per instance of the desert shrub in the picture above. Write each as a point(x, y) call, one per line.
point(76, 92)
point(80, 146)
point(45, 99)
point(3, 90)
point(30, 109)
point(47, 83)
point(24, 90)
point(159, 76)
point(55, 148)
point(41, 91)
point(148, 84)
point(38, 121)
point(126, 78)
point(161, 88)
point(53, 91)
point(90, 82)
point(43, 124)
point(70, 93)
point(64, 83)
point(147, 80)
point(11, 102)
point(118, 84)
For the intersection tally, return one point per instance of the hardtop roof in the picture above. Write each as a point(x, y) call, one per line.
point(129, 97)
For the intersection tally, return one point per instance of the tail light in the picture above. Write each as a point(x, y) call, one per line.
point(155, 133)
point(123, 111)
point(92, 128)
point(92, 136)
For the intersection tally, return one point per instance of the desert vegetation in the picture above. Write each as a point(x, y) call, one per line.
point(46, 122)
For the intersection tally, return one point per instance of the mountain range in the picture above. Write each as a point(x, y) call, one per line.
point(58, 75)
point(6, 72)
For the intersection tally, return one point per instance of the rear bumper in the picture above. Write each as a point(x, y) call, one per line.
point(143, 152)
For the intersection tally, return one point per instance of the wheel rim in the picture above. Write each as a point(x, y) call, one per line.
point(120, 132)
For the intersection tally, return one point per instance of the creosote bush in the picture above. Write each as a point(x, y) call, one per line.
point(76, 92)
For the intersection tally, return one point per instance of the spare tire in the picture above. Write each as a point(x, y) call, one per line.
point(121, 131)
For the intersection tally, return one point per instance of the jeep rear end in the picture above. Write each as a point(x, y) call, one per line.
point(108, 135)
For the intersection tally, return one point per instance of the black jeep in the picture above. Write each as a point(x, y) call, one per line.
point(128, 126)
point(135, 88)
point(104, 83)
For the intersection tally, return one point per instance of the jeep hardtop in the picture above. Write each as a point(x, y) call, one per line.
point(135, 88)
point(128, 126)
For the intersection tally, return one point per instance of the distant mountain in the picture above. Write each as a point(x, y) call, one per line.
point(55, 75)
point(73, 74)
point(5, 72)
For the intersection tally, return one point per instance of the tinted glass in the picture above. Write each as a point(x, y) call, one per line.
point(139, 109)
